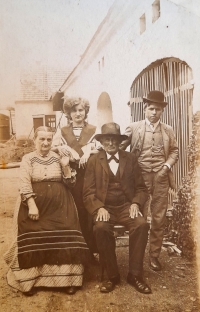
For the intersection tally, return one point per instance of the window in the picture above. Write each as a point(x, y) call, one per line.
point(50, 121)
point(142, 23)
point(102, 61)
point(44, 120)
point(101, 64)
point(155, 10)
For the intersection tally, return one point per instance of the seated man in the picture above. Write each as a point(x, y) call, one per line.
point(114, 192)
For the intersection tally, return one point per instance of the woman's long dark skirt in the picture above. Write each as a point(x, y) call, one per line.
point(56, 237)
point(86, 220)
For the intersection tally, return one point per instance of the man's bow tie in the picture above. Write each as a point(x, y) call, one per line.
point(114, 158)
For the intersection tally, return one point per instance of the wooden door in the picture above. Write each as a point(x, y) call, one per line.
point(38, 122)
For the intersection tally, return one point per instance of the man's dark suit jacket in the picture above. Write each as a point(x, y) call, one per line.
point(97, 178)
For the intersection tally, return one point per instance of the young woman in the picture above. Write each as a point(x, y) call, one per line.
point(78, 135)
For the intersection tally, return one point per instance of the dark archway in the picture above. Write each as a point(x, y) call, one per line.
point(104, 109)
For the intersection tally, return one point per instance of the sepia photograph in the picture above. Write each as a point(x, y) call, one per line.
point(99, 155)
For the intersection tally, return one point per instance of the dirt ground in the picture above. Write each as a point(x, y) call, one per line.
point(174, 288)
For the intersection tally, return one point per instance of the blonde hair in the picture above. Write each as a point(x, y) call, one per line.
point(70, 102)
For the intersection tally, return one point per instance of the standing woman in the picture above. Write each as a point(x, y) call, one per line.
point(48, 249)
point(78, 135)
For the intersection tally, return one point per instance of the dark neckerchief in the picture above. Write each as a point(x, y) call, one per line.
point(114, 158)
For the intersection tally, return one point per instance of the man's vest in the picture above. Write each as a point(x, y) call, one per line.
point(152, 156)
point(115, 195)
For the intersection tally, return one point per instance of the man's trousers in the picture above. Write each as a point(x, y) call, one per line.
point(158, 189)
point(105, 240)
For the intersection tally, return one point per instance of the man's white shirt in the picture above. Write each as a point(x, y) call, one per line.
point(153, 126)
point(113, 164)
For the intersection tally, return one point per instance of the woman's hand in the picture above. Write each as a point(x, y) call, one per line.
point(64, 161)
point(83, 160)
point(33, 209)
point(63, 151)
point(65, 166)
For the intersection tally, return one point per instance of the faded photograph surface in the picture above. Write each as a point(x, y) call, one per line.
point(99, 155)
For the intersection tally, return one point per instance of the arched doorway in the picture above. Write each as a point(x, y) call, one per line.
point(104, 109)
point(173, 77)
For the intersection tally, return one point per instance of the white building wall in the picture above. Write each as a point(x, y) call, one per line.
point(24, 113)
point(126, 53)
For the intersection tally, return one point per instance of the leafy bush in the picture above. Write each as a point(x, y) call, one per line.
point(14, 150)
point(181, 225)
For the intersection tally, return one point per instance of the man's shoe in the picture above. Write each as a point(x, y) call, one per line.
point(154, 264)
point(108, 286)
point(138, 283)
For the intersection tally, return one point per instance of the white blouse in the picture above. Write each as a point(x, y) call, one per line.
point(36, 168)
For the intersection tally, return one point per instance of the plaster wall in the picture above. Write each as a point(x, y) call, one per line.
point(126, 52)
point(24, 115)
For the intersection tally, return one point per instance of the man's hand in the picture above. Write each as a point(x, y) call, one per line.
point(103, 215)
point(161, 173)
point(134, 211)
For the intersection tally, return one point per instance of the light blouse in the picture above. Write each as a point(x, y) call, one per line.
point(36, 168)
point(58, 140)
point(77, 132)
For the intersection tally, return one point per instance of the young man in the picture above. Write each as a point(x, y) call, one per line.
point(113, 193)
point(154, 145)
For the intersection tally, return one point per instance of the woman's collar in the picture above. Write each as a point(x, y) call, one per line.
point(43, 156)
point(85, 124)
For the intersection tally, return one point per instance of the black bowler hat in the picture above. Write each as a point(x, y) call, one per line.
point(109, 129)
point(155, 97)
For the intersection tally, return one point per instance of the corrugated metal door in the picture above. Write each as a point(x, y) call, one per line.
point(174, 79)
